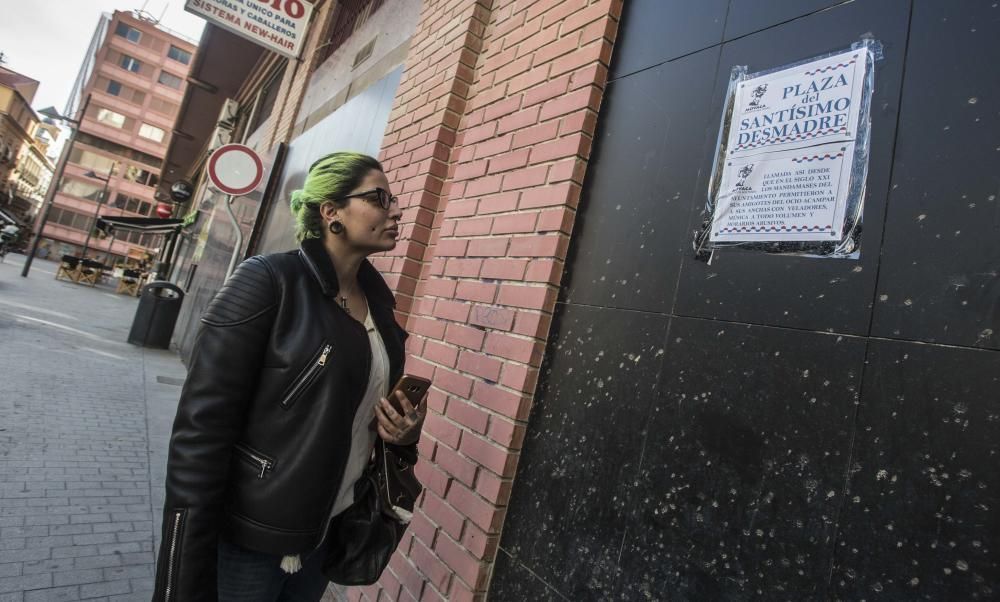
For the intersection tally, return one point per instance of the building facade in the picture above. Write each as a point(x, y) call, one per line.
point(134, 80)
point(25, 169)
point(613, 417)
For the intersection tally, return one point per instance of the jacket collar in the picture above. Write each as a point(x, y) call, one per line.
point(314, 255)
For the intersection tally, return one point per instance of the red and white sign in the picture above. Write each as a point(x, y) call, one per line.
point(235, 169)
point(278, 25)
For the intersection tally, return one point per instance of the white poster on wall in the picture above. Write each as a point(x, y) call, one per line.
point(278, 25)
point(789, 153)
point(796, 195)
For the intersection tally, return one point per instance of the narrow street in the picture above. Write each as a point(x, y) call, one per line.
point(84, 419)
point(84, 422)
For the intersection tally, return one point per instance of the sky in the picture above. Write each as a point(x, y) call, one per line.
point(47, 39)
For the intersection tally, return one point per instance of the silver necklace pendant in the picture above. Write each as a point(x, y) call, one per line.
point(343, 304)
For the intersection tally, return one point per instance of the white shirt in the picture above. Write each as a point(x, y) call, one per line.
point(362, 437)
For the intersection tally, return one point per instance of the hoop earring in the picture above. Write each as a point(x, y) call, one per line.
point(336, 227)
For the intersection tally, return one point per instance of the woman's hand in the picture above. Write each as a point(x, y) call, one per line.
point(400, 429)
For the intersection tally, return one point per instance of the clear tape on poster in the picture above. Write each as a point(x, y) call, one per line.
point(848, 244)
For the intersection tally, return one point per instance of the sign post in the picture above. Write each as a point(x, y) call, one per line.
point(236, 170)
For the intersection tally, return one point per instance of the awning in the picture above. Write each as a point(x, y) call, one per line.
point(226, 60)
point(149, 225)
point(9, 218)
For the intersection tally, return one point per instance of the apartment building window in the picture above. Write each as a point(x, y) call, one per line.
point(129, 33)
point(133, 205)
point(151, 132)
point(118, 149)
point(70, 219)
point(116, 88)
point(30, 170)
point(109, 117)
point(99, 163)
point(140, 176)
point(162, 106)
point(129, 64)
point(170, 80)
point(81, 189)
point(179, 55)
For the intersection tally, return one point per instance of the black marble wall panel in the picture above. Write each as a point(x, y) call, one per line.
point(637, 198)
point(513, 581)
point(655, 31)
point(799, 292)
point(744, 467)
point(748, 16)
point(940, 276)
point(582, 453)
point(921, 520)
point(787, 448)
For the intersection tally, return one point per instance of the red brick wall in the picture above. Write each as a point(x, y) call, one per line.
point(487, 145)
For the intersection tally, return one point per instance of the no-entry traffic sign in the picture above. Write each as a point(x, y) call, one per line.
point(235, 169)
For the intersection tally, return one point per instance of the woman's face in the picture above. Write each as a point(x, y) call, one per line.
point(367, 226)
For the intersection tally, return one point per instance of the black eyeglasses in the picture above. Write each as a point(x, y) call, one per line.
point(382, 197)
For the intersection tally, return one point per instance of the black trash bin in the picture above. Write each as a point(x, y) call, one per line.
point(159, 305)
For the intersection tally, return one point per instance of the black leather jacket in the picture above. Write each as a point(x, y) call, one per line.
point(263, 426)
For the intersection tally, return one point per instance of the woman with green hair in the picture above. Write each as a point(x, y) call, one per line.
point(284, 398)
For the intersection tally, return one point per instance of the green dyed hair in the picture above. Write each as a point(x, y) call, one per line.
point(329, 178)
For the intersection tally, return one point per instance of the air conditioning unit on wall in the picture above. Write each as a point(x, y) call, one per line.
point(225, 124)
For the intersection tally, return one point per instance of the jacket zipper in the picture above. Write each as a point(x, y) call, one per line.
point(172, 560)
point(265, 463)
point(306, 378)
point(368, 370)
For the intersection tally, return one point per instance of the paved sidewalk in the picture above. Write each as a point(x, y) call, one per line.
point(84, 422)
point(84, 418)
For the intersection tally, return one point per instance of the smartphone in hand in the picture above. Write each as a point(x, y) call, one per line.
point(413, 387)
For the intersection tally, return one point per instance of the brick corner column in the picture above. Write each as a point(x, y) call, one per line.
point(487, 145)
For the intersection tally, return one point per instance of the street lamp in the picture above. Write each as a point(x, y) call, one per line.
point(101, 201)
point(50, 194)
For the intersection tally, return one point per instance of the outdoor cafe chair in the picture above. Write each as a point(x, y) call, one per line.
point(69, 268)
point(90, 272)
point(129, 282)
